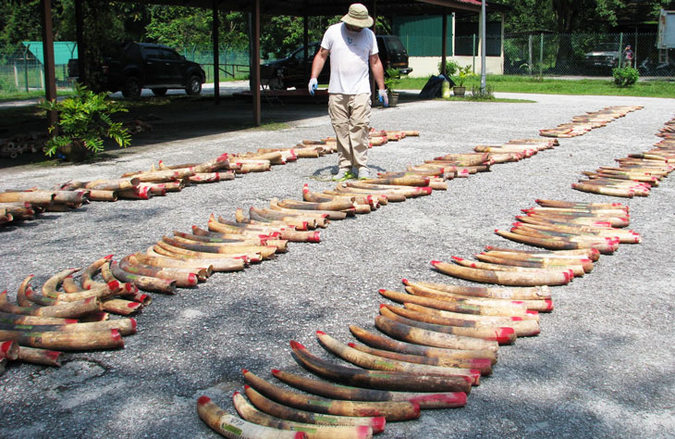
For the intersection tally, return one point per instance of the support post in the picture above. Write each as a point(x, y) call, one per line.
point(48, 54)
point(216, 54)
point(444, 44)
point(81, 43)
point(482, 48)
point(255, 68)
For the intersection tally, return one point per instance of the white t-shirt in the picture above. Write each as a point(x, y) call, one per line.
point(349, 58)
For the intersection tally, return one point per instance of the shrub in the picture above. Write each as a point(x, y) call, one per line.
point(451, 67)
point(625, 76)
point(464, 73)
point(482, 95)
point(84, 121)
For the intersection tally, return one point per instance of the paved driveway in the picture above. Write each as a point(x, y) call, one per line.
point(602, 367)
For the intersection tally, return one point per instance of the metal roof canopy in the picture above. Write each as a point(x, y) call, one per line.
point(63, 50)
point(299, 8)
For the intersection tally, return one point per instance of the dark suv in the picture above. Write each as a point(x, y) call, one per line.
point(153, 66)
point(293, 71)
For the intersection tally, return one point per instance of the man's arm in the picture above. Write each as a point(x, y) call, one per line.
point(318, 62)
point(377, 69)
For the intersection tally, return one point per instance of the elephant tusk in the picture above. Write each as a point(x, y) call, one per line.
point(282, 411)
point(473, 359)
point(374, 362)
point(379, 379)
point(503, 277)
point(46, 357)
point(431, 337)
point(500, 334)
point(331, 390)
point(456, 306)
point(65, 310)
point(390, 410)
point(234, 427)
point(314, 431)
point(514, 293)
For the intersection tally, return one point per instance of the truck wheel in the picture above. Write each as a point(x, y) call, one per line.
point(132, 88)
point(194, 85)
point(277, 83)
point(159, 91)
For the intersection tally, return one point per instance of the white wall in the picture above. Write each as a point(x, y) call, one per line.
point(424, 66)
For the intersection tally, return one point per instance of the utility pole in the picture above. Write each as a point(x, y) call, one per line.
point(482, 47)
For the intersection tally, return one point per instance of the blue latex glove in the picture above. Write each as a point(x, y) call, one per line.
point(312, 86)
point(383, 97)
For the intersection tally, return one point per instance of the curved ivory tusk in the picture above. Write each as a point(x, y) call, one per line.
point(526, 325)
point(429, 337)
point(455, 306)
point(46, 357)
point(577, 271)
point(474, 359)
point(147, 283)
point(234, 427)
point(66, 341)
point(514, 293)
point(249, 413)
point(379, 379)
point(50, 285)
point(331, 390)
point(369, 361)
point(523, 279)
point(501, 334)
point(278, 410)
point(66, 310)
point(390, 410)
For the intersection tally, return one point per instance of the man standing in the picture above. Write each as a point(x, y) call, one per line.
point(352, 48)
point(628, 56)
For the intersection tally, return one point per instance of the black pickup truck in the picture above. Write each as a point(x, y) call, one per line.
point(153, 66)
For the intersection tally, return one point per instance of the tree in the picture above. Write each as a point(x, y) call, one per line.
point(179, 27)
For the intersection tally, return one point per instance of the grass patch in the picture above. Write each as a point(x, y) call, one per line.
point(528, 84)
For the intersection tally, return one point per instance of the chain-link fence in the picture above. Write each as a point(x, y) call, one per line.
point(19, 74)
point(232, 64)
point(586, 54)
point(20, 71)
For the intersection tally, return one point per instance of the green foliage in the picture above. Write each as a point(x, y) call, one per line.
point(625, 76)
point(482, 95)
point(451, 67)
point(179, 27)
point(464, 73)
point(284, 34)
point(391, 78)
point(85, 119)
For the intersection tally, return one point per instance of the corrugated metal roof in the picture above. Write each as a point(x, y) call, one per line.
point(63, 51)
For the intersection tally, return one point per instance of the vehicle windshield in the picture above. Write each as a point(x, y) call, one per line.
point(395, 45)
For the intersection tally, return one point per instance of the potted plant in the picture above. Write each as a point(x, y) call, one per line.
point(390, 78)
point(463, 73)
point(84, 122)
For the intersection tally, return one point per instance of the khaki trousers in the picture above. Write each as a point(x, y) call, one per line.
point(350, 117)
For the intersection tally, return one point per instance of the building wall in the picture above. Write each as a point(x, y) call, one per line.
point(424, 66)
point(421, 37)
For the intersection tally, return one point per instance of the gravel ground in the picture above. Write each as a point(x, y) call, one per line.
point(602, 366)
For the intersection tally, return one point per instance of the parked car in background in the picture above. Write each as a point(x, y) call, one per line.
point(154, 66)
point(293, 70)
point(393, 54)
point(604, 56)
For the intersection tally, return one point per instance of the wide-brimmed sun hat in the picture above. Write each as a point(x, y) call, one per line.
point(358, 16)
